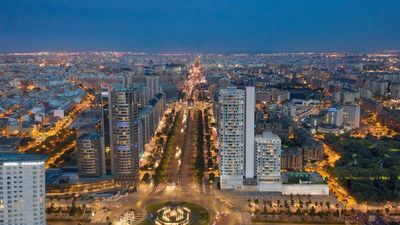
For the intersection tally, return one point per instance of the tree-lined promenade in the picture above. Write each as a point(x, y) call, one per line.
point(172, 127)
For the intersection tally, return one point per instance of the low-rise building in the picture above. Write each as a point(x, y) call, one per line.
point(9, 144)
point(302, 183)
point(292, 159)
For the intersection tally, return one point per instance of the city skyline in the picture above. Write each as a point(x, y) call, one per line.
point(191, 26)
point(263, 133)
point(222, 112)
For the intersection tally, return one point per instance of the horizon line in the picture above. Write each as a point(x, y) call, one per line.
point(196, 52)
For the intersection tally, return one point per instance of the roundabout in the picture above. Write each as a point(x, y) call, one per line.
point(176, 213)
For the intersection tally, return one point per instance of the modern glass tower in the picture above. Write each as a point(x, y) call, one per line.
point(124, 142)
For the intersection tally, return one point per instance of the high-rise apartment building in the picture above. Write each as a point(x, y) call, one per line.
point(91, 157)
point(268, 161)
point(236, 136)
point(395, 90)
point(22, 189)
point(152, 86)
point(124, 142)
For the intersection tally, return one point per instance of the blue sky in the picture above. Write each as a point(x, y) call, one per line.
point(200, 25)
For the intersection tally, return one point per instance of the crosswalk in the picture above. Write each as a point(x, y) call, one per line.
point(138, 216)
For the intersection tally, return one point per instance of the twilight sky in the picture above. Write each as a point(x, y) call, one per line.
point(199, 25)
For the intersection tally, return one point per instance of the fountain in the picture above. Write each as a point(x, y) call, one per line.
point(173, 214)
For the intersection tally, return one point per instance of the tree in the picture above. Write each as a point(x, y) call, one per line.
point(337, 213)
point(210, 163)
point(279, 205)
point(328, 205)
point(298, 212)
point(146, 177)
point(312, 211)
point(50, 210)
point(211, 176)
point(161, 141)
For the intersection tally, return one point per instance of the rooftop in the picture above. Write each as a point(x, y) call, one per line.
point(15, 157)
point(91, 136)
point(9, 141)
point(302, 178)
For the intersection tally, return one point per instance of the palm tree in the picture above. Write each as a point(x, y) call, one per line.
point(279, 205)
point(298, 211)
point(286, 204)
point(328, 205)
point(312, 211)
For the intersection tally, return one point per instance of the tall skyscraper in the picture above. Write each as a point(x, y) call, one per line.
point(124, 143)
point(268, 163)
point(91, 158)
point(105, 121)
point(22, 189)
point(152, 86)
point(236, 136)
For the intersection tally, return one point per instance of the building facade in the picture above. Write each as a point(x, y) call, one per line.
point(124, 142)
point(268, 161)
point(91, 157)
point(22, 189)
point(152, 86)
point(231, 131)
point(351, 116)
point(236, 111)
